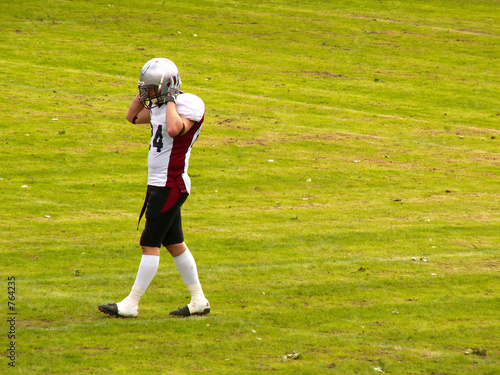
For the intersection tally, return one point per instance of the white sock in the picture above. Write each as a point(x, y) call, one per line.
point(147, 270)
point(198, 300)
point(129, 304)
point(186, 265)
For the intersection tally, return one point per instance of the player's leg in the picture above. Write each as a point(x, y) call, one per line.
point(157, 224)
point(129, 306)
point(147, 270)
point(186, 265)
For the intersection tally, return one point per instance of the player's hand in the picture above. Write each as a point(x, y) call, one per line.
point(173, 89)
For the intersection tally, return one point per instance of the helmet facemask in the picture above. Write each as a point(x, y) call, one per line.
point(149, 96)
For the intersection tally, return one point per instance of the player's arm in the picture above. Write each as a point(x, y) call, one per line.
point(137, 114)
point(176, 124)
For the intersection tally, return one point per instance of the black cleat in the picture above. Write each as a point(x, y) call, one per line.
point(184, 312)
point(112, 309)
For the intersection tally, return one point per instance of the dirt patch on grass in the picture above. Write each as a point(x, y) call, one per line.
point(324, 74)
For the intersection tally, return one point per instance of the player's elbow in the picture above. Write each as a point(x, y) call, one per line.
point(130, 118)
point(175, 131)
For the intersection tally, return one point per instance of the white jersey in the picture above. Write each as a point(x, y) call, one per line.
point(168, 157)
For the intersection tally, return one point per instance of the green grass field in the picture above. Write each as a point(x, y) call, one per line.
point(345, 201)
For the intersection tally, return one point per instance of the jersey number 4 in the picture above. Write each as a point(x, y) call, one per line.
point(158, 139)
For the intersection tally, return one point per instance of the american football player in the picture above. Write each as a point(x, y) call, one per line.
point(176, 119)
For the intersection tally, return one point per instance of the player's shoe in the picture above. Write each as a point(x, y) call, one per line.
point(113, 310)
point(189, 310)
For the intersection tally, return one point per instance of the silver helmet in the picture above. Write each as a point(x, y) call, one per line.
point(154, 81)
